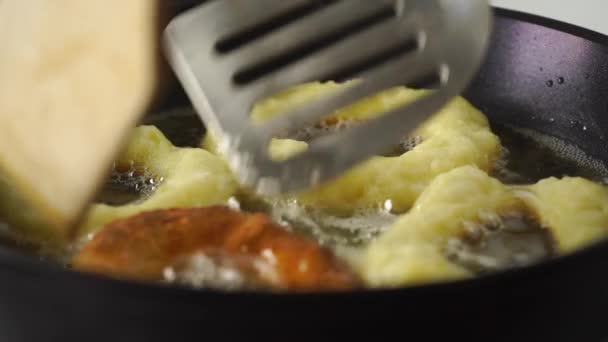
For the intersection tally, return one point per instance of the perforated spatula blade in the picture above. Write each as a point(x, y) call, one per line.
point(229, 54)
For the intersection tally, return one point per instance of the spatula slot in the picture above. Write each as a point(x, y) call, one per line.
point(254, 72)
point(350, 71)
point(242, 38)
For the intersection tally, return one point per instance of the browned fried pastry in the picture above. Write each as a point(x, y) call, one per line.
point(142, 247)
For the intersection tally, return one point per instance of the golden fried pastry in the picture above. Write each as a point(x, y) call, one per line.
point(143, 246)
point(188, 177)
point(411, 251)
point(573, 210)
point(456, 136)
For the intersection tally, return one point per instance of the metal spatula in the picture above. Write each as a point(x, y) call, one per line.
point(230, 53)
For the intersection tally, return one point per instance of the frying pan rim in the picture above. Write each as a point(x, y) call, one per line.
point(18, 262)
point(561, 26)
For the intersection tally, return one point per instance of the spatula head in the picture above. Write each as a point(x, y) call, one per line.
point(230, 53)
point(76, 75)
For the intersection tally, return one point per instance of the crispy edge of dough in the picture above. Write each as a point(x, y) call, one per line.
point(141, 246)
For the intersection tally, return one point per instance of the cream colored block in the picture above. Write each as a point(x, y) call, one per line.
point(76, 76)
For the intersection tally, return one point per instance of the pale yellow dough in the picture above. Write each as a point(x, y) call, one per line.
point(456, 136)
point(410, 252)
point(191, 177)
point(443, 182)
point(574, 210)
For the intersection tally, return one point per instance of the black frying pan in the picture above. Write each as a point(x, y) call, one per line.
point(560, 300)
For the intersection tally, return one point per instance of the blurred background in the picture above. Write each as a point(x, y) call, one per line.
point(586, 13)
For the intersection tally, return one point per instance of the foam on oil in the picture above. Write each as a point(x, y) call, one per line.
point(128, 184)
point(502, 242)
point(528, 156)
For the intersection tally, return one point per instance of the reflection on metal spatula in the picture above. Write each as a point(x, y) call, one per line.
point(230, 53)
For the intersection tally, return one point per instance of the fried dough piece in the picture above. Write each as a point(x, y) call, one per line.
point(143, 246)
point(573, 210)
point(457, 135)
point(191, 177)
point(411, 251)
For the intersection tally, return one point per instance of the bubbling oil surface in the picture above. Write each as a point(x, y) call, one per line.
point(503, 242)
point(128, 184)
point(528, 156)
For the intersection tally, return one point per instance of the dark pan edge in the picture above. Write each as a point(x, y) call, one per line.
point(575, 30)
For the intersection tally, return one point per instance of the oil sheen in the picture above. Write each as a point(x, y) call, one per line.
point(504, 242)
point(495, 243)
